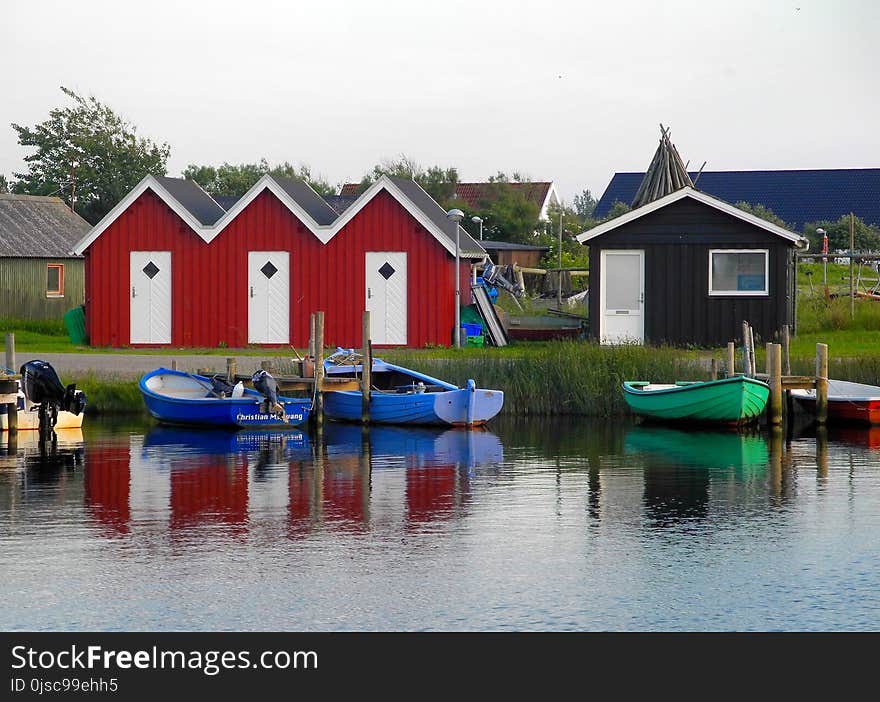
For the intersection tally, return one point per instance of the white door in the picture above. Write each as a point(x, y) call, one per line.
point(268, 297)
point(622, 297)
point(386, 296)
point(150, 297)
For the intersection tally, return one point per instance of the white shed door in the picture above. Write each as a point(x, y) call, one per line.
point(386, 296)
point(150, 297)
point(268, 297)
point(622, 299)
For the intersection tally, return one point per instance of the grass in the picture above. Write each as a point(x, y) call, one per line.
point(109, 395)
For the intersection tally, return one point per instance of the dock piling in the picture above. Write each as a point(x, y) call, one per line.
point(230, 369)
point(731, 359)
point(319, 370)
point(713, 369)
point(747, 356)
point(821, 383)
point(367, 369)
point(774, 378)
point(11, 407)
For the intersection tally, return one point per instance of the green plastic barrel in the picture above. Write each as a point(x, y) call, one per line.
point(75, 322)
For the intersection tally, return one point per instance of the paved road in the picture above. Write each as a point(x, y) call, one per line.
point(135, 365)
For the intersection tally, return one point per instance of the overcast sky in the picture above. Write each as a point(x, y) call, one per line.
point(563, 91)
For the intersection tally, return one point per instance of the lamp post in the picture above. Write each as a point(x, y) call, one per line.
point(824, 256)
point(478, 220)
point(455, 216)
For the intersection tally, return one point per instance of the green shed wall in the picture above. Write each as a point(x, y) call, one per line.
point(23, 288)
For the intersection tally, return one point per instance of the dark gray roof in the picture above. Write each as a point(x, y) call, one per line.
point(510, 246)
point(308, 199)
point(39, 227)
point(226, 201)
point(341, 203)
point(191, 196)
point(437, 215)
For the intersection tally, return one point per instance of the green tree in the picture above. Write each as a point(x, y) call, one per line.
point(4, 185)
point(617, 208)
point(764, 213)
point(508, 214)
point(437, 181)
point(574, 254)
point(88, 152)
point(235, 180)
point(585, 204)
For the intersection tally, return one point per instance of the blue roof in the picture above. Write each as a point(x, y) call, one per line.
point(797, 196)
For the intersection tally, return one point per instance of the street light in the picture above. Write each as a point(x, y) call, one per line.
point(824, 256)
point(478, 220)
point(455, 216)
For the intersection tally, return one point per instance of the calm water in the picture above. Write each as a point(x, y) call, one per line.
point(537, 525)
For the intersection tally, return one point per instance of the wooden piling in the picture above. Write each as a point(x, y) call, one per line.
point(747, 361)
point(713, 369)
point(173, 364)
point(367, 366)
point(821, 383)
point(312, 336)
point(319, 369)
point(774, 379)
point(10, 352)
point(230, 369)
point(731, 359)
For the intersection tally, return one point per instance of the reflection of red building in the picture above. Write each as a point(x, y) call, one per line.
point(430, 493)
point(107, 486)
point(210, 490)
point(301, 497)
point(344, 494)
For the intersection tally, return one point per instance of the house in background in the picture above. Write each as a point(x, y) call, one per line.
point(171, 265)
point(796, 196)
point(505, 253)
point(40, 277)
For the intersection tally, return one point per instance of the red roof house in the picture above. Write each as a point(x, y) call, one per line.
point(170, 266)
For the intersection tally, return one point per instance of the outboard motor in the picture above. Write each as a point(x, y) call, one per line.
point(267, 386)
point(42, 387)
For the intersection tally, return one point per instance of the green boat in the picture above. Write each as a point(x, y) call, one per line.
point(734, 400)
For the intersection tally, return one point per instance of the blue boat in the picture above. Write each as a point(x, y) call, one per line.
point(185, 399)
point(403, 396)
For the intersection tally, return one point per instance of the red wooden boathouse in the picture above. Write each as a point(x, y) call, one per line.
point(169, 265)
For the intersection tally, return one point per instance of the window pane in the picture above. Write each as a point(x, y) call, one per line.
point(739, 272)
point(622, 282)
point(53, 279)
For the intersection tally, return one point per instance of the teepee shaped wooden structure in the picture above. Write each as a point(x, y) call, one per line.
point(665, 175)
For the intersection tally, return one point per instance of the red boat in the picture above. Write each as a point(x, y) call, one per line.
point(847, 402)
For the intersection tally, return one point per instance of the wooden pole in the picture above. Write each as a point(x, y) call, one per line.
point(774, 373)
point(747, 361)
point(173, 364)
point(731, 359)
point(10, 352)
point(753, 356)
point(231, 369)
point(319, 369)
point(821, 383)
point(852, 247)
point(367, 372)
point(713, 369)
point(312, 336)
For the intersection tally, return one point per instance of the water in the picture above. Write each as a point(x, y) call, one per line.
point(534, 525)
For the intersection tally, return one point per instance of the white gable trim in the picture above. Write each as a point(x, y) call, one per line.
point(324, 233)
point(552, 194)
point(797, 239)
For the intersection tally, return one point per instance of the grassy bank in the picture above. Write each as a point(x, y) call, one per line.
point(108, 395)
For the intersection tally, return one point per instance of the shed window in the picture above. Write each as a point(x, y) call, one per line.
point(738, 272)
point(55, 280)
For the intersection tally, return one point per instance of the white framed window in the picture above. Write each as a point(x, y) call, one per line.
point(739, 271)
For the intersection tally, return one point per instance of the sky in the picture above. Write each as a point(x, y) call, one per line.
point(564, 91)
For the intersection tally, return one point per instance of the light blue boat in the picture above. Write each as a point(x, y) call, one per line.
point(403, 396)
point(178, 398)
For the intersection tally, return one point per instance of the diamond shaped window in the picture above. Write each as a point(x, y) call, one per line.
point(151, 269)
point(386, 271)
point(269, 270)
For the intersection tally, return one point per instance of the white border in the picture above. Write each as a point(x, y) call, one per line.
point(800, 241)
point(742, 293)
point(324, 233)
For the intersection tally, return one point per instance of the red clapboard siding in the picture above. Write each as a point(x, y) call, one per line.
point(209, 281)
